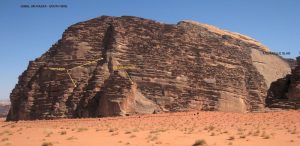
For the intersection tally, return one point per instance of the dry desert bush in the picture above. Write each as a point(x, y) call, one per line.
point(200, 142)
point(82, 129)
point(71, 138)
point(231, 138)
point(63, 132)
point(4, 139)
point(47, 144)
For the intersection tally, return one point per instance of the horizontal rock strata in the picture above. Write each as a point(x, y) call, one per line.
point(111, 66)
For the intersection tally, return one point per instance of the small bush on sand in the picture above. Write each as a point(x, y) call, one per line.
point(4, 139)
point(266, 136)
point(47, 144)
point(63, 132)
point(231, 138)
point(211, 128)
point(200, 142)
point(243, 136)
point(81, 129)
point(71, 138)
point(49, 134)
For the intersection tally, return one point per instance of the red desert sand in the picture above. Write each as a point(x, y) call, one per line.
point(167, 129)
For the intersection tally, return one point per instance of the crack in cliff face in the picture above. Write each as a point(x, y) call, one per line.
point(107, 46)
point(88, 103)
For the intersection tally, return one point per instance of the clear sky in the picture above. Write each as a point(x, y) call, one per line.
point(26, 33)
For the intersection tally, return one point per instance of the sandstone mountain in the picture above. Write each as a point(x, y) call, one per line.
point(111, 66)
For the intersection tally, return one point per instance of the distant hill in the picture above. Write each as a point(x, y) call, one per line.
point(4, 107)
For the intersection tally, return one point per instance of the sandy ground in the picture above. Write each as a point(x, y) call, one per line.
point(175, 129)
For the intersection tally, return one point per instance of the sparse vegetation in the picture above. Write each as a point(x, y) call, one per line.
point(157, 131)
point(266, 137)
point(243, 136)
point(211, 128)
point(154, 138)
point(115, 133)
point(256, 133)
point(240, 129)
point(71, 138)
point(81, 129)
point(47, 144)
point(231, 138)
point(8, 132)
point(4, 139)
point(63, 132)
point(20, 129)
point(113, 129)
point(200, 142)
point(49, 134)
point(294, 131)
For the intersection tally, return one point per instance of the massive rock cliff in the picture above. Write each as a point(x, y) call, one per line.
point(110, 66)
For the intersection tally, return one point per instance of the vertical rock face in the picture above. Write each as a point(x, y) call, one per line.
point(285, 92)
point(294, 88)
point(111, 66)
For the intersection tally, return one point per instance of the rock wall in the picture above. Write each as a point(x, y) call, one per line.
point(187, 66)
point(284, 93)
point(294, 88)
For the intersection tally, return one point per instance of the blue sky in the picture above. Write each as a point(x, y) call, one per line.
point(26, 33)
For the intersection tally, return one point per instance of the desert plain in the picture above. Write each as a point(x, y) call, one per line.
point(280, 128)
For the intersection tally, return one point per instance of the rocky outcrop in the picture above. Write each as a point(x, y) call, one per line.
point(285, 92)
point(111, 66)
point(294, 88)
